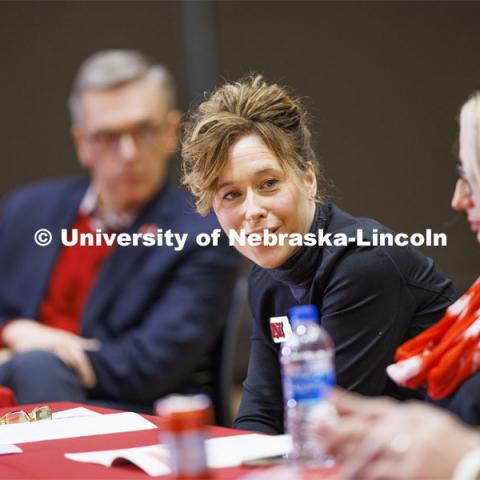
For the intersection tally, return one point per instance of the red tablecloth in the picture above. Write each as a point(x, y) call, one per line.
point(45, 460)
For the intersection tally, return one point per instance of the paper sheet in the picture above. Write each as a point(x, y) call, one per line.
point(70, 427)
point(75, 412)
point(8, 449)
point(233, 451)
point(221, 452)
point(152, 459)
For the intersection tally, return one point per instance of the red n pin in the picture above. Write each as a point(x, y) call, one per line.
point(277, 331)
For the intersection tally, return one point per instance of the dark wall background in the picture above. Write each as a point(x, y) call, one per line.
point(383, 82)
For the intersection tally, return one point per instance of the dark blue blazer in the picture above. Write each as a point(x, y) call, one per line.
point(157, 312)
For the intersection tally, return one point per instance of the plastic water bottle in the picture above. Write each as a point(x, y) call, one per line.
point(308, 372)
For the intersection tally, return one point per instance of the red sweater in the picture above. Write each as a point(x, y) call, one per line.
point(73, 276)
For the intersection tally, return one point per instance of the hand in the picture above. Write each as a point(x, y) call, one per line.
point(23, 334)
point(357, 415)
point(5, 355)
point(411, 440)
point(76, 358)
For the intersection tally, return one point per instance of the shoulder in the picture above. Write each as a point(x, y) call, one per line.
point(378, 266)
point(48, 188)
point(41, 194)
point(359, 270)
point(339, 221)
point(354, 260)
point(409, 262)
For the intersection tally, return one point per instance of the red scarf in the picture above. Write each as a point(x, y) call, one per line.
point(447, 353)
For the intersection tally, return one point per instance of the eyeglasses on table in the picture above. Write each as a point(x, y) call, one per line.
point(21, 416)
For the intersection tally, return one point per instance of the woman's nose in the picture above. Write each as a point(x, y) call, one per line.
point(254, 208)
point(461, 200)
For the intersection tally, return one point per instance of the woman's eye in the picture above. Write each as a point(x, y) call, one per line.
point(230, 195)
point(270, 183)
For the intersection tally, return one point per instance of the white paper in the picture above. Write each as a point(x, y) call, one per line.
point(232, 451)
point(221, 453)
point(75, 412)
point(73, 427)
point(152, 459)
point(7, 449)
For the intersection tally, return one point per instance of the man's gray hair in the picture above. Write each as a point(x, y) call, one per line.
point(111, 68)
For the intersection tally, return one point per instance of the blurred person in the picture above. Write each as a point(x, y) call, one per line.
point(385, 439)
point(119, 325)
point(247, 154)
point(446, 357)
point(382, 438)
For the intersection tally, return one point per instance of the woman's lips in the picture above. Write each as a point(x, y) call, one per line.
point(474, 226)
point(261, 231)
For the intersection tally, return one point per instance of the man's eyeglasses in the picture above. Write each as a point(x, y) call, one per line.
point(465, 183)
point(144, 136)
point(21, 416)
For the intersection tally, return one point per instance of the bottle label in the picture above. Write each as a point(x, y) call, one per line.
point(307, 389)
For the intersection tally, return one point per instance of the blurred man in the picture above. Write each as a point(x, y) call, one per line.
point(122, 325)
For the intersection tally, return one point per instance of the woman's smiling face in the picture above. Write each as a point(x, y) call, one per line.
point(255, 193)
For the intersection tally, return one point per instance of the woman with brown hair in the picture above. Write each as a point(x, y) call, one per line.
point(247, 154)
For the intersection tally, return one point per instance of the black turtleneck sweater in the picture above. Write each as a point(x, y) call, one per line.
point(370, 299)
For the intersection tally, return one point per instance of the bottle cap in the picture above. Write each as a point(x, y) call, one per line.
point(303, 313)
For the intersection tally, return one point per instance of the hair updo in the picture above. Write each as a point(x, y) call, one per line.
point(249, 106)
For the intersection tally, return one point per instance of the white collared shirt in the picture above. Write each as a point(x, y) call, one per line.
point(102, 218)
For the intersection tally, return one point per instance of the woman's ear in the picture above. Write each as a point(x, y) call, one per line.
point(310, 181)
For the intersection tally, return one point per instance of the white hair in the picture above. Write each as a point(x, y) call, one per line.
point(470, 137)
point(110, 68)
